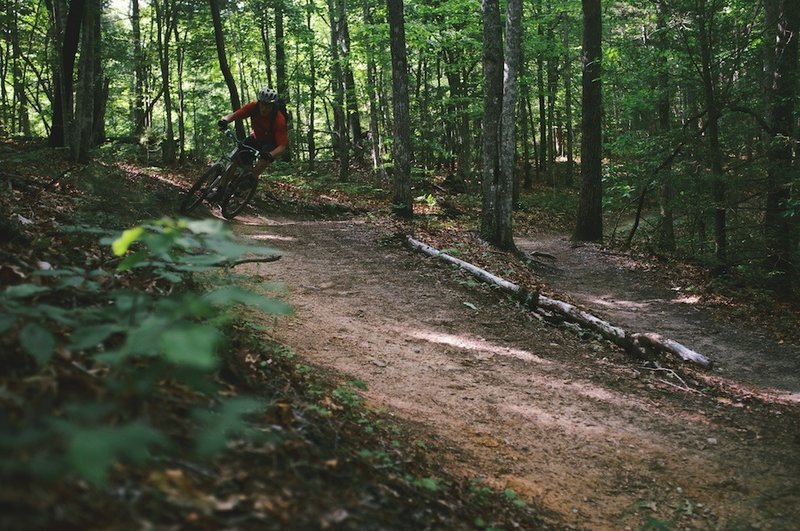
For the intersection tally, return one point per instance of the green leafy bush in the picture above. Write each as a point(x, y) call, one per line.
point(88, 352)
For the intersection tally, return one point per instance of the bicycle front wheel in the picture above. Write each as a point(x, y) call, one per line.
point(240, 191)
point(200, 189)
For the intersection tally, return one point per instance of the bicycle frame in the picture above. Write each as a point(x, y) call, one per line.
point(232, 159)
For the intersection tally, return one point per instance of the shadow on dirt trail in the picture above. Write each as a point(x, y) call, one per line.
point(573, 426)
point(638, 299)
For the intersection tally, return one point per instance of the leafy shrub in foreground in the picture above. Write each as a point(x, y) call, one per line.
point(87, 355)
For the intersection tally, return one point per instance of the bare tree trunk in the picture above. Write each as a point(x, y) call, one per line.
point(705, 23)
point(81, 140)
point(492, 106)
point(181, 95)
point(21, 121)
point(401, 147)
point(779, 225)
point(666, 232)
point(543, 156)
point(165, 18)
point(312, 72)
point(280, 51)
point(341, 142)
point(569, 177)
point(460, 129)
point(351, 102)
point(101, 84)
point(527, 134)
point(589, 225)
point(264, 27)
point(504, 238)
point(552, 89)
point(374, 109)
point(138, 72)
point(67, 25)
point(223, 63)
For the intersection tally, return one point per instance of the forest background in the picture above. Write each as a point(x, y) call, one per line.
point(669, 125)
point(697, 111)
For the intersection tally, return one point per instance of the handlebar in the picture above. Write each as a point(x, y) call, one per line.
point(240, 142)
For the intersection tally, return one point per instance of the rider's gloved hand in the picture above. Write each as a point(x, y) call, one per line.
point(222, 124)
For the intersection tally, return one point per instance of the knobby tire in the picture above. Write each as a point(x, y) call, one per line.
point(240, 192)
point(199, 190)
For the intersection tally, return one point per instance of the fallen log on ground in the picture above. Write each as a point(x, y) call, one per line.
point(637, 343)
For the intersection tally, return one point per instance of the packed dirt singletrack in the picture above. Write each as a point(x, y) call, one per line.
point(592, 436)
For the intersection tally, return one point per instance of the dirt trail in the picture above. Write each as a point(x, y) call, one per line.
point(575, 427)
point(635, 298)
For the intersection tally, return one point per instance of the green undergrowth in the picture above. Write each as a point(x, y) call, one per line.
point(140, 386)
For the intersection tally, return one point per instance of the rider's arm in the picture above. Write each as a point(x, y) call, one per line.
point(243, 112)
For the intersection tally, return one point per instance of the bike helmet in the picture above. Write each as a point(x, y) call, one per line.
point(267, 95)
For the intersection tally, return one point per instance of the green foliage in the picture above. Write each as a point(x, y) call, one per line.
point(127, 340)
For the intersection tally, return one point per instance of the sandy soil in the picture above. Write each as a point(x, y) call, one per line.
point(595, 438)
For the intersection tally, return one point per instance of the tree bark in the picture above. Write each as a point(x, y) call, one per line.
point(504, 206)
point(341, 142)
point(543, 149)
point(568, 173)
point(312, 73)
point(351, 101)
point(223, 63)
point(139, 70)
point(492, 105)
point(280, 51)
point(67, 25)
point(401, 147)
point(82, 136)
point(20, 122)
point(374, 109)
point(265, 41)
point(666, 231)
point(165, 18)
point(779, 226)
point(589, 225)
point(709, 74)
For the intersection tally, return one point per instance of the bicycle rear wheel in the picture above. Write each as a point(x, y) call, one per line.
point(200, 189)
point(240, 191)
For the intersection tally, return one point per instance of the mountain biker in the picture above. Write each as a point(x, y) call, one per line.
point(270, 133)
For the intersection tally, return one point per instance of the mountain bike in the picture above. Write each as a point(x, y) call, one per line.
point(228, 182)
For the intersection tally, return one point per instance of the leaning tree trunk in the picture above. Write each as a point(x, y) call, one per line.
point(401, 147)
point(223, 63)
point(589, 225)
